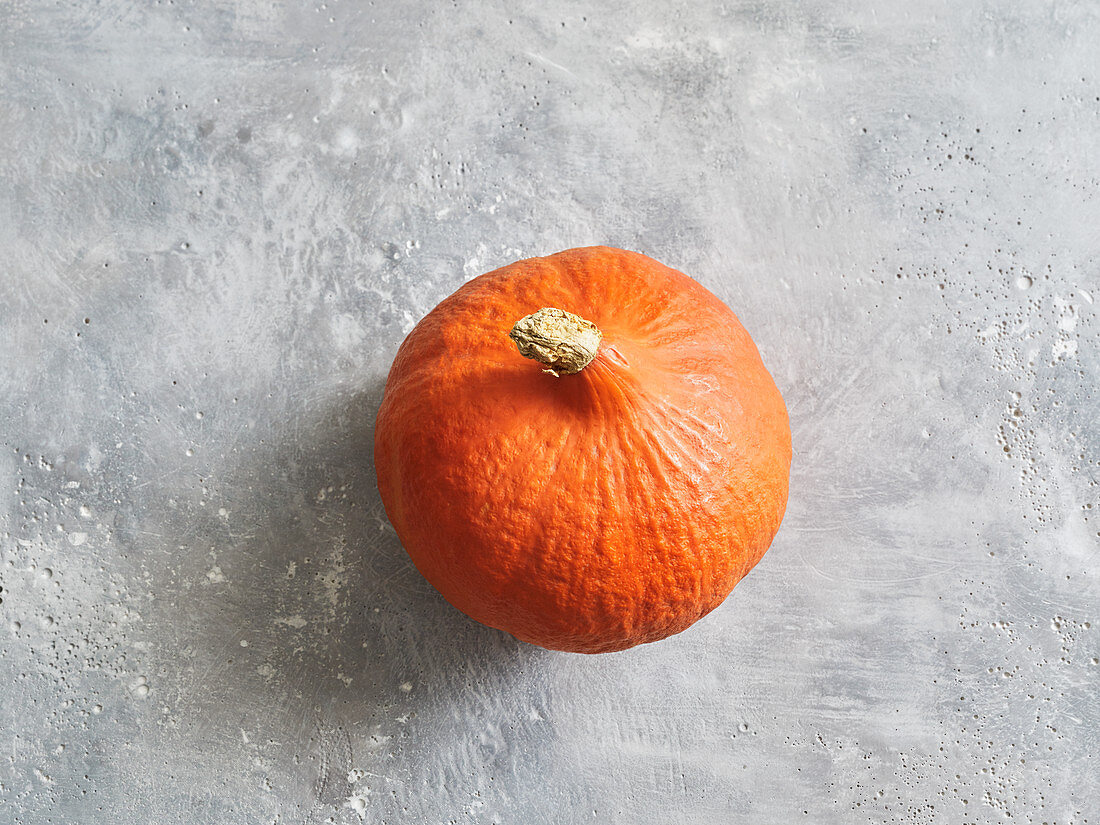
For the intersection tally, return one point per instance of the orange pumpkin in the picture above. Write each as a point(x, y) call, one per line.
point(613, 491)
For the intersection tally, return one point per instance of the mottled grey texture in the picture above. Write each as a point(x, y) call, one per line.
point(218, 220)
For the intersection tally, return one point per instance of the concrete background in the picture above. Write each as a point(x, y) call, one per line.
point(219, 219)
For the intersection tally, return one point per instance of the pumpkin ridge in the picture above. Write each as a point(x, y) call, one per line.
point(663, 469)
point(645, 500)
point(597, 559)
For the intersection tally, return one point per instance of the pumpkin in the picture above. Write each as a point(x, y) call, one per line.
point(584, 450)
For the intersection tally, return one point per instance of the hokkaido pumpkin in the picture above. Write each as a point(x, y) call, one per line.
point(584, 450)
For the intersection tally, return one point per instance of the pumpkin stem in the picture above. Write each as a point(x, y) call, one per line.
point(559, 340)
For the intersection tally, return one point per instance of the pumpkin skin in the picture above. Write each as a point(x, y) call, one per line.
point(588, 512)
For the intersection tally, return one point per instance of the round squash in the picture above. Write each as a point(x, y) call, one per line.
point(584, 450)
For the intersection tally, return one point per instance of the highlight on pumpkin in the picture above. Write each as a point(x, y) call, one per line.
point(559, 340)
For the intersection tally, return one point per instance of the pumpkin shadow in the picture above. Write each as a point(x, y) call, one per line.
point(312, 630)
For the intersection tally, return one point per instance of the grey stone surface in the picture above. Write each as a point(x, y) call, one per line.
point(219, 219)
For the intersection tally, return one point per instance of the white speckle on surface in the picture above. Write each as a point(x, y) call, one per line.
point(347, 141)
point(348, 333)
point(1067, 314)
point(215, 575)
point(77, 539)
point(1063, 349)
point(358, 802)
point(406, 687)
point(297, 621)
